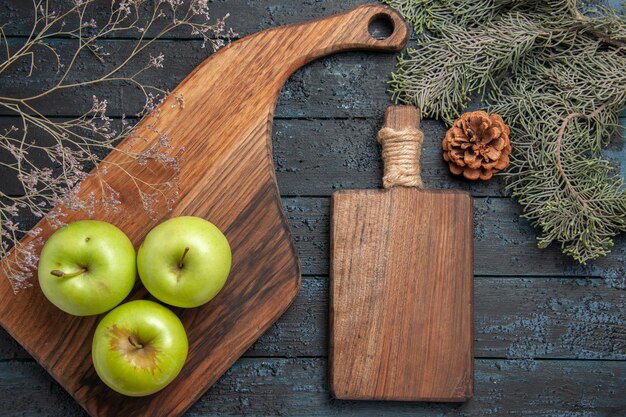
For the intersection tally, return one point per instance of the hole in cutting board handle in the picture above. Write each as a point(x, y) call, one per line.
point(381, 26)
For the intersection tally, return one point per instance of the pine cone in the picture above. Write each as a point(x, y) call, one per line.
point(477, 145)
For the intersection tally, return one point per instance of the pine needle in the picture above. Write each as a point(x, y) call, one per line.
point(556, 72)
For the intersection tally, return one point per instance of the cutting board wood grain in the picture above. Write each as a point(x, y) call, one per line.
point(401, 291)
point(226, 175)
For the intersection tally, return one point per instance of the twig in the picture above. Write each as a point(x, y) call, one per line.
point(557, 151)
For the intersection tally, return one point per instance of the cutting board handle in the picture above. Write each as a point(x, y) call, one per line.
point(351, 31)
point(290, 47)
point(401, 142)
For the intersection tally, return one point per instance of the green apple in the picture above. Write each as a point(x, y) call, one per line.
point(184, 261)
point(139, 348)
point(87, 267)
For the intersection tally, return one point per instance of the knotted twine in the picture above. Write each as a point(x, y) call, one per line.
point(401, 156)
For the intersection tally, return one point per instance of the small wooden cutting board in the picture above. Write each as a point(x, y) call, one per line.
point(401, 291)
point(226, 176)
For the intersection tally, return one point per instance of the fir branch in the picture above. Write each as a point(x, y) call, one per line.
point(558, 77)
point(442, 72)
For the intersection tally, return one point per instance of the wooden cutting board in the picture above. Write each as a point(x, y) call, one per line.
point(401, 290)
point(226, 176)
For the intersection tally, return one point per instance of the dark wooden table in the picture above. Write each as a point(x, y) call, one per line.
point(550, 335)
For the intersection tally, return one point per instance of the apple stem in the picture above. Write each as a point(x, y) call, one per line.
point(180, 263)
point(134, 341)
point(62, 274)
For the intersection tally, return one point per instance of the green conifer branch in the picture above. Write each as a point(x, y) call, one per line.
point(557, 76)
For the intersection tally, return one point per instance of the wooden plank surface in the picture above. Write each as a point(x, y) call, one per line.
point(517, 318)
point(531, 305)
point(504, 244)
point(338, 87)
point(246, 17)
point(343, 156)
point(297, 387)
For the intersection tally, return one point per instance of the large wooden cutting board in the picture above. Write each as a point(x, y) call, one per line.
point(226, 176)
